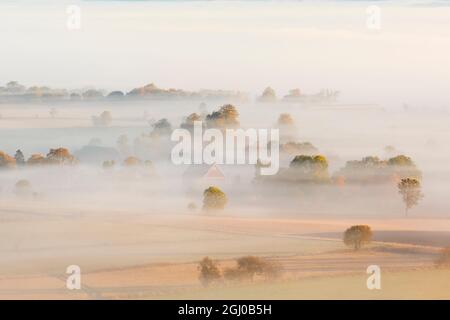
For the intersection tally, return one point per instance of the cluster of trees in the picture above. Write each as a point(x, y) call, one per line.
point(313, 169)
point(14, 91)
point(151, 91)
point(58, 156)
point(246, 269)
point(129, 162)
point(303, 169)
point(295, 95)
point(374, 170)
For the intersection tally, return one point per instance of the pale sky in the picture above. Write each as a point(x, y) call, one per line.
point(232, 45)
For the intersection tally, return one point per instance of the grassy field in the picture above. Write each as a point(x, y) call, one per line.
point(420, 284)
point(140, 255)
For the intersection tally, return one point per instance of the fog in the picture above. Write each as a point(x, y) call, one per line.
point(339, 133)
point(244, 45)
point(87, 175)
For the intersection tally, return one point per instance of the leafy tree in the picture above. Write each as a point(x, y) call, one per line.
point(310, 168)
point(400, 160)
point(214, 199)
point(268, 95)
point(105, 119)
point(115, 95)
point(225, 117)
point(411, 191)
point(249, 266)
point(20, 159)
point(162, 127)
point(209, 271)
point(108, 164)
point(188, 124)
point(92, 94)
point(293, 94)
point(285, 119)
point(36, 159)
point(403, 167)
point(358, 235)
point(23, 188)
point(6, 161)
point(132, 162)
point(60, 156)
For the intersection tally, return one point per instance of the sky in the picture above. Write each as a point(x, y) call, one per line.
point(232, 45)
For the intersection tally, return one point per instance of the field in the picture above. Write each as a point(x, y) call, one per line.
point(142, 256)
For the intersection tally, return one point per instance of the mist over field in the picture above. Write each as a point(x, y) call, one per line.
point(87, 175)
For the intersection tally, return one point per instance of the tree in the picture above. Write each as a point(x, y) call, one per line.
point(162, 127)
point(20, 159)
point(225, 117)
point(189, 122)
point(6, 161)
point(251, 265)
point(209, 271)
point(214, 199)
point(92, 94)
point(310, 168)
point(108, 164)
point(23, 188)
point(132, 162)
point(268, 95)
point(403, 167)
point(105, 119)
point(285, 119)
point(411, 191)
point(115, 95)
point(36, 159)
point(358, 235)
point(60, 156)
